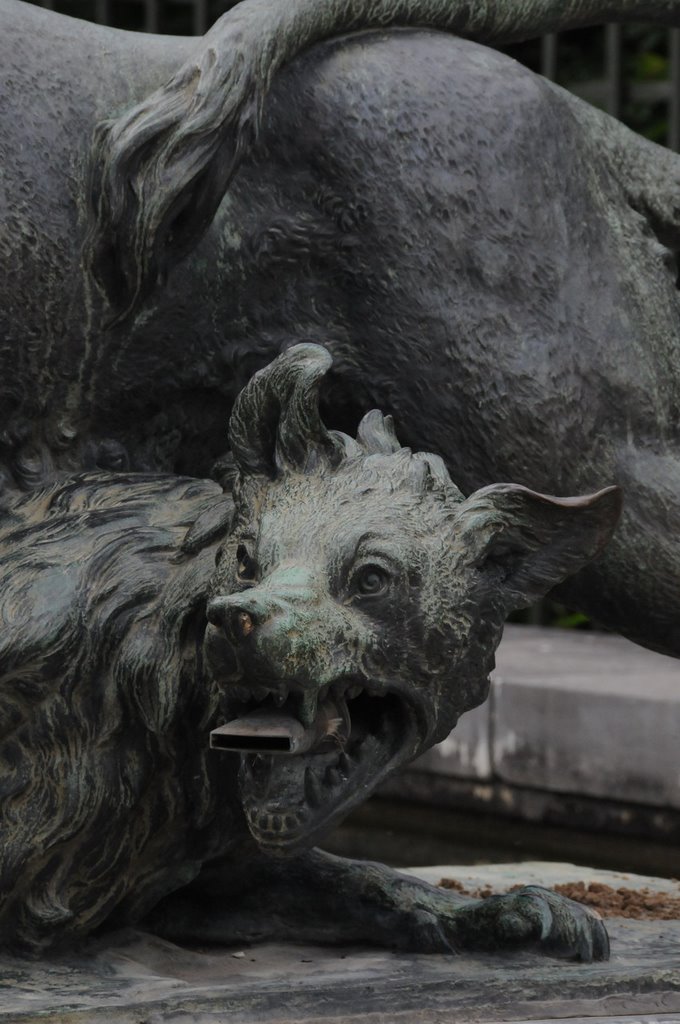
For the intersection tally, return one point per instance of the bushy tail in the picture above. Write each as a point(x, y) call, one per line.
point(159, 171)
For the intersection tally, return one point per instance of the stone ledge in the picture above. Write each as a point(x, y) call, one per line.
point(573, 712)
point(138, 979)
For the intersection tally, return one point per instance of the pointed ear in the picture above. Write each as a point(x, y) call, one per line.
point(530, 542)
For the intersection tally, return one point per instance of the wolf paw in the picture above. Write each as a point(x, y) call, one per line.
point(532, 917)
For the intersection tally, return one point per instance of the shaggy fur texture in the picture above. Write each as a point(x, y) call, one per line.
point(110, 676)
point(103, 791)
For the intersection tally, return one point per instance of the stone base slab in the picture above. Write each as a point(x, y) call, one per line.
point(136, 978)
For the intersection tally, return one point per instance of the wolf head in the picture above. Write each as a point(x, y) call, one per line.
point(358, 583)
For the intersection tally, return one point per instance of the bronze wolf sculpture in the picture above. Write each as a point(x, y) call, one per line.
point(349, 571)
point(490, 259)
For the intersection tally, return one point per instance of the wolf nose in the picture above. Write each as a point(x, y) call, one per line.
point(238, 620)
point(242, 623)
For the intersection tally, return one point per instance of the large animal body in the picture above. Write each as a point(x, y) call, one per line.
point(485, 255)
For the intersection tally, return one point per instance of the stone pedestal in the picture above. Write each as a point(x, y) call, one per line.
point(135, 978)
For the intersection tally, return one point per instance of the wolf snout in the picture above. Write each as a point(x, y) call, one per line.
point(236, 615)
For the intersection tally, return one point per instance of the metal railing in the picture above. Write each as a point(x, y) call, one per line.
point(612, 90)
point(180, 17)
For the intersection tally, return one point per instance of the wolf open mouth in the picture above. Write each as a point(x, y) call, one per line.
point(353, 735)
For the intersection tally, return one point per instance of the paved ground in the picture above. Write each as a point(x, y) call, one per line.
point(138, 979)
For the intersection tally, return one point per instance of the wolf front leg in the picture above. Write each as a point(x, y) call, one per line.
point(318, 897)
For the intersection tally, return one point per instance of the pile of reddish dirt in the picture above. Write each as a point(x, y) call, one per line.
point(622, 902)
point(453, 883)
point(610, 902)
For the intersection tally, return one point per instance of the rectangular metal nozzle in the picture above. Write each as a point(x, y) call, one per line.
point(267, 731)
point(264, 731)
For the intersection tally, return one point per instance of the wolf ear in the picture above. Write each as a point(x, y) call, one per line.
point(530, 542)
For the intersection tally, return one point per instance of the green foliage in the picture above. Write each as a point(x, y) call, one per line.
point(550, 613)
point(581, 67)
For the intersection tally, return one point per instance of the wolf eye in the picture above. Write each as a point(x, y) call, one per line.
point(371, 580)
point(247, 566)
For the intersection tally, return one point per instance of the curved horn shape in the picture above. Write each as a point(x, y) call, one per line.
point(275, 425)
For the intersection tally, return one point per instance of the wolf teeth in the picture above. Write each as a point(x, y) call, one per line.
point(312, 788)
point(281, 696)
point(259, 774)
point(308, 707)
point(270, 823)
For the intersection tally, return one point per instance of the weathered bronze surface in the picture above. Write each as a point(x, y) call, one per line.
point(484, 255)
point(487, 257)
point(375, 596)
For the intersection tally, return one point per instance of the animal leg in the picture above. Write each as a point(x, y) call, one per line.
point(318, 897)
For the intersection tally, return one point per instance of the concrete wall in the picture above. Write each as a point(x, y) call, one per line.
point(573, 712)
